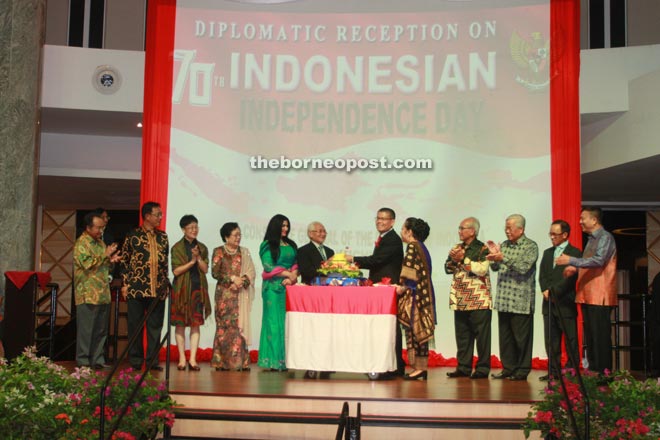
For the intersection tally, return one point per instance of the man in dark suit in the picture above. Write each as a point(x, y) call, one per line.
point(385, 262)
point(311, 255)
point(561, 291)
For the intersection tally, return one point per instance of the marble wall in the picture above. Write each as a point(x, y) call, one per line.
point(22, 30)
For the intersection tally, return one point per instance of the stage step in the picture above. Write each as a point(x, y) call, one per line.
point(333, 419)
point(317, 418)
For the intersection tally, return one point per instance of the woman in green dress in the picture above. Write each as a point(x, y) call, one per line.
point(278, 257)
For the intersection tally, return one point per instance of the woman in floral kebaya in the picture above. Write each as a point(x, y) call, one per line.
point(234, 293)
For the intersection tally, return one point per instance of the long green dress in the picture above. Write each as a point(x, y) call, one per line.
point(273, 294)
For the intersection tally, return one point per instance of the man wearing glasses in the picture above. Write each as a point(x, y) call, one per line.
point(561, 291)
point(144, 271)
point(470, 299)
point(311, 255)
point(384, 264)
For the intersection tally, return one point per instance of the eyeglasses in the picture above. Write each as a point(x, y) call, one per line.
point(384, 218)
point(191, 227)
point(462, 228)
point(552, 234)
point(158, 214)
point(320, 231)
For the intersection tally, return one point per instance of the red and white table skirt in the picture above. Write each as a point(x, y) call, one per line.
point(333, 328)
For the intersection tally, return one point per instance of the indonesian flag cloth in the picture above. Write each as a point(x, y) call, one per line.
point(341, 328)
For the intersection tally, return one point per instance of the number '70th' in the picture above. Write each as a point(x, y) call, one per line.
point(199, 77)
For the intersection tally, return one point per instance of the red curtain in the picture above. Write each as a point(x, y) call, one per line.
point(565, 118)
point(157, 108)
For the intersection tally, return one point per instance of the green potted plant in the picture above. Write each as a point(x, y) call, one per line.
point(620, 407)
point(42, 400)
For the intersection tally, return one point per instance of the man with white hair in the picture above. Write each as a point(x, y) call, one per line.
point(515, 262)
point(311, 255)
point(470, 299)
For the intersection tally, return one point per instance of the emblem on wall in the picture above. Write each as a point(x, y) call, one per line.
point(106, 79)
point(531, 53)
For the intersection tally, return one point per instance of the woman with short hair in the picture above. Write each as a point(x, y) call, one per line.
point(234, 293)
point(190, 294)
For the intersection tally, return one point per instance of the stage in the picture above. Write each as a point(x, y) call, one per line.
point(283, 405)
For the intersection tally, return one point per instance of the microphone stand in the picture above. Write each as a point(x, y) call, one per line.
point(574, 362)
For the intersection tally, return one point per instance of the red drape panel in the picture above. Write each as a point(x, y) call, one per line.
point(159, 60)
point(565, 117)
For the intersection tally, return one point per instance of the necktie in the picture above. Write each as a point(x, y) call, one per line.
point(322, 251)
point(378, 240)
point(556, 255)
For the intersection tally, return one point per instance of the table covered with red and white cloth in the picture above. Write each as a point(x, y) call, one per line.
point(340, 328)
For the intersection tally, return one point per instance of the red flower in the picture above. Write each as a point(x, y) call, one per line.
point(543, 417)
point(64, 417)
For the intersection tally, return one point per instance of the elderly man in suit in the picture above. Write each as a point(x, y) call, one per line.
point(562, 319)
point(311, 255)
point(385, 263)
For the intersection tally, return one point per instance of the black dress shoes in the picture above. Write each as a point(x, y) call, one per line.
point(517, 377)
point(420, 375)
point(455, 374)
point(479, 375)
point(156, 368)
point(502, 375)
point(544, 378)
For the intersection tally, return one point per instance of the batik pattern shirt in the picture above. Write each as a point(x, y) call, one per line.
point(470, 289)
point(144, 263)
point(91, 270)
point(516, 280)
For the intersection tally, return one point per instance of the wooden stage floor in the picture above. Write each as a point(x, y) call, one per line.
point(353, 386)
point(259, 382)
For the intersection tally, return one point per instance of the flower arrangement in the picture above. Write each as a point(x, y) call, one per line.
point(42, 400)
point(339, 266)
point(621, 407)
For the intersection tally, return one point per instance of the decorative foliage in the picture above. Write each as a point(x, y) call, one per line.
point(339, 268)
point(41, 400)
point(621, 407)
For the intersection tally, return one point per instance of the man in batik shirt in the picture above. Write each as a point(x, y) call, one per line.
point(515, 260)
point(470, 300)
point(92, 263)
point(144, 273)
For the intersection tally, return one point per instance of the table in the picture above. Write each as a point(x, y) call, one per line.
point(334, 328)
